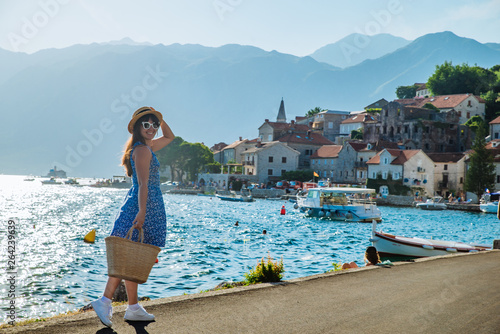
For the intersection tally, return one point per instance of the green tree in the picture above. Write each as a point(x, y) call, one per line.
point(184, 157)
point(406, 92)
point(357, 134)
point(477, 122)
point(193, 157)
point(460, 79)
point(170, 155)
point(429, 105)
point(481, 170)
point(314, 111)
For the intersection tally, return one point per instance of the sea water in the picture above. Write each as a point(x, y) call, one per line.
point(57, 272)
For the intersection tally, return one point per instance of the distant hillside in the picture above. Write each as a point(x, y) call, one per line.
point(356, 48)
point(75, 103)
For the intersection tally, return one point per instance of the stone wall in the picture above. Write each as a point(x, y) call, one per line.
point(394, 200)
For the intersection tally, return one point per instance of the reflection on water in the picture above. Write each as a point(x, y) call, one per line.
point(58, 272)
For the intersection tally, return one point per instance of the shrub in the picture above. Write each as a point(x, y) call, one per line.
point(266, 271)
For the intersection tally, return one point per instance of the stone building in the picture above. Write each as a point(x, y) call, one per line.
point(419, 128)
point(465, 105)
point(268, 161)
point(449, 173)
point(323, 161)
point(413, 168)
point(327, 123)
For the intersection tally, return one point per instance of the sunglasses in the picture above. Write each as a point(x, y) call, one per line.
point(147, 125)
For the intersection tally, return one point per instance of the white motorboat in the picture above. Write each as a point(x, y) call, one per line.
point(489, 202)
point(490, 207)
point(389, 245)
point(342, 203)
point(434, 203)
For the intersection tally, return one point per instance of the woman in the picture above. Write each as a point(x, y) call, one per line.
point(143, 206)
point(371, 258)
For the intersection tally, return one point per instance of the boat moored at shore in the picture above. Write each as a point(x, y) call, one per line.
point(342, 203)
point(389, 245)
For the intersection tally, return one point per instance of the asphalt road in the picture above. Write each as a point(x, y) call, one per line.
point(451, 294)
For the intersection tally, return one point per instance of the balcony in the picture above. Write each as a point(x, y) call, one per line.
point(442, 185)
point(248, 163)
point(360, 164)
point(420, 170)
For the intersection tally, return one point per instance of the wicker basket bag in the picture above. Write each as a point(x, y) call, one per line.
point(130, 260)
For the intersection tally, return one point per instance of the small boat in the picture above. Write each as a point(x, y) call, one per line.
point(29, 178)
point(389, 245)
point(490, 207)
point(434, 203)
point(233, 197)
point(119, 182)
point(51, 181)
point(72, 181)
point(169, 185)
point(340, 203)
point(489, 202)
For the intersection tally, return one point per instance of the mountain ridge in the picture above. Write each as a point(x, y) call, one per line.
point(79, 99)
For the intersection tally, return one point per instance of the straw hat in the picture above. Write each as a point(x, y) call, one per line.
point(142, 112)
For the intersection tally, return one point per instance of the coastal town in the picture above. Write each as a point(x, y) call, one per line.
point(404, 142)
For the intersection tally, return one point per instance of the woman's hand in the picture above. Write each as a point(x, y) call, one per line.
point(139, 220)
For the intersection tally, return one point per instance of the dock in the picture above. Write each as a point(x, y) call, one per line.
point(448, 294)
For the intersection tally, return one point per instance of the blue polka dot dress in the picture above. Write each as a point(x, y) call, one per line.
point(155, 225)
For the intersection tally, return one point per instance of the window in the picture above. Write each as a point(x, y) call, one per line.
point(469, 103)
point(374, 176)
point(384, 175)
point(330, 125)
point(312, 161)
point(386, 161)
point(445, 167)
point(271, 159)
point(331, 162)
point(341, 173)
point(498, 179)
point(270, 171)
point(308, 152)
point(270, 138)
point(462, 180)
point(468, 114)
point(324, 173)
point(325, 161)
point(283, 171)
point(283, 160)
point(395, 176)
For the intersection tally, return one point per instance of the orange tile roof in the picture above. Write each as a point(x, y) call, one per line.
point(327, 151)
point(402, 156)
point(359, 118)
point(441, 101)
point(496, 120)
point(445, 157)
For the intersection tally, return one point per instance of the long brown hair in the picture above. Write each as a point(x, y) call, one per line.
point(136, 137)
point(371, 255)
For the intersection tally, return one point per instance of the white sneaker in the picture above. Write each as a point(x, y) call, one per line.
point(104, 311)
point(138, 315)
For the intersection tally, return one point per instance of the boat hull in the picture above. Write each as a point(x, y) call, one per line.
point(236, 198)
point(345, 213)
point(425, 206)
point(490, 207)
point(389, 245)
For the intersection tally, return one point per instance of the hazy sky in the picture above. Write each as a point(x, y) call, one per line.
point(289, 26)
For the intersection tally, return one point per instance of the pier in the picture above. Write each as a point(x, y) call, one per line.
point(449, 294)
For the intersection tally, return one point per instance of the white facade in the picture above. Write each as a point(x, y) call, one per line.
point(384, 167)
point(418, 172)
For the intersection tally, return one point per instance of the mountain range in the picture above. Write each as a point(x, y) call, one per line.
point(76, 101)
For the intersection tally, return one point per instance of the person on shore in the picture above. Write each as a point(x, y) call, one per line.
point(371, 258)
point(143, 207)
